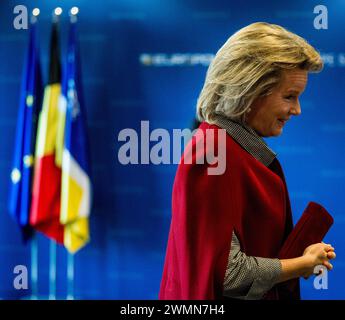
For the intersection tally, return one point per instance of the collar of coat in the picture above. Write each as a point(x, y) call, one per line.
point(247, 138)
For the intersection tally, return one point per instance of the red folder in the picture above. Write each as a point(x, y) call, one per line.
point(310, 228)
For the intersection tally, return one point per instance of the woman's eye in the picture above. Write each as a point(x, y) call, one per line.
point(291, 97)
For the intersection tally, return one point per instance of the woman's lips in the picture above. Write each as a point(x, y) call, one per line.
point(282, 121)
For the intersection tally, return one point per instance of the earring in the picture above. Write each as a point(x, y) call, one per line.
point(248, 110)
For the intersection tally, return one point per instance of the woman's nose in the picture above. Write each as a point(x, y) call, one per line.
point(296, 110)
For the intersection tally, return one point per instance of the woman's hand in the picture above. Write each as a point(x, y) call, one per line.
point(303, 266)
point(317, 254)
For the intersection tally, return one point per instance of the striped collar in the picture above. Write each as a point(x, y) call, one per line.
point(248, 139)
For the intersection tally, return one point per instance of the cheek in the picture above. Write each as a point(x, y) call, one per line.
point(283, 107)
point(269, 111)
point(280, 110)
point(272, 114)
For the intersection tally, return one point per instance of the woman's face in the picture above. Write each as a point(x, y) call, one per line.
point(270, 113)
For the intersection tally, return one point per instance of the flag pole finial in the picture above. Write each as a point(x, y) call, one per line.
point(35, 14)
point(57, 13)
point(73, 13)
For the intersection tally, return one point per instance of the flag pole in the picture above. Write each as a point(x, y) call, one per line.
point(34, 240)
point(70, 257)
point(52, 246)
point(34, 268)
point(70, 276)
point(52, 270)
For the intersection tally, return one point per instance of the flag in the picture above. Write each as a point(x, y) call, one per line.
point(23, 160)
point(76, 184)
point(45, 207)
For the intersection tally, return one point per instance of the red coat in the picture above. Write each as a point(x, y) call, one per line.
point(249, 198)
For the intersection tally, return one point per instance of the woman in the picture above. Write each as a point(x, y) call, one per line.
point(227, 229)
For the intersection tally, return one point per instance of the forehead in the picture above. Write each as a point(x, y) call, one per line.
point(295, 79)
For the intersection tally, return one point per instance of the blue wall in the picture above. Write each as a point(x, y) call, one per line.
point(131, 208)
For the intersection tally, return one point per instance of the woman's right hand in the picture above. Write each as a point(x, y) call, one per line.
point(318, 254)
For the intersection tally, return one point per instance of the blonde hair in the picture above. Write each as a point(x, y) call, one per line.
point(250, 65)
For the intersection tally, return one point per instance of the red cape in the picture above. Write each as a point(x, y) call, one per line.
point(249, 198)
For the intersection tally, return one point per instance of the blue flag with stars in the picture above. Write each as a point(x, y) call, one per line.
point(24, 148)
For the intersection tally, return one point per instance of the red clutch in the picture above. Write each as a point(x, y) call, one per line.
point(310, 228)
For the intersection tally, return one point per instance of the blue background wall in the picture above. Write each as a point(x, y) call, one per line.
point(131, 209)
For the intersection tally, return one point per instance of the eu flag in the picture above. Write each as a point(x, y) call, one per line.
point(24, 148)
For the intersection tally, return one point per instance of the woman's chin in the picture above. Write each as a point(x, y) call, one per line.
point(272, 132)
point(276, 132)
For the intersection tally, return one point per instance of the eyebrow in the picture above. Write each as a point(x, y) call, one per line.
point(294, 91)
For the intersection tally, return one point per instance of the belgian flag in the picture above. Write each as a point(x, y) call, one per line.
point(46, 193)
